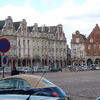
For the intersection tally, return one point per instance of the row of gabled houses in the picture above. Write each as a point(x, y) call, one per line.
point(85, 51)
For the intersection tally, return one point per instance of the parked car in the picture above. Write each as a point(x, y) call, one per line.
point(7, 70)
point(53, 69)
point(31, 85)
point(26, 69)
point(20, 70)
point(98, 98)
point(94, 66)
point(25, 97)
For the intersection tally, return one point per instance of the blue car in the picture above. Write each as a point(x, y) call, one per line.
point(26, 97)
point(98, 98)
point(31, 85)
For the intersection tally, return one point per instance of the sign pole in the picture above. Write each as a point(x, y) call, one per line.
point(4, 47)
point(2, 66)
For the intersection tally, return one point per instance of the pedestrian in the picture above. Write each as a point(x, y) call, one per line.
point(14, 71)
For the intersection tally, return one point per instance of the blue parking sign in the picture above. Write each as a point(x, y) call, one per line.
point(4, 61)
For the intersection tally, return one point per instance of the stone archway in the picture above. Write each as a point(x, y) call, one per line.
point(89, 62)
point(37, 62)
point(10, 63)
point(75, 63)
point(24, 62)
point(97, 61)
point(29, 62)
point(81, 62)
point(19, 62)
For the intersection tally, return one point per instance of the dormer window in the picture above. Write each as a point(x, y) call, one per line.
point(77, 40)
point(91, 40)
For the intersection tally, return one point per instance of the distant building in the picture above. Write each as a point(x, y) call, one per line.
point(86, 51)
point(93, 47)
point(78, 49)
point(32, 45)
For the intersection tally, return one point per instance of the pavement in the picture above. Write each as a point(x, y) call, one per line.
point(80, 85)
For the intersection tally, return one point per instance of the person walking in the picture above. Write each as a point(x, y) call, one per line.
point(14, 71)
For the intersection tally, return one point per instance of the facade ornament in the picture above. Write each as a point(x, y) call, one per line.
point(35, 28)
point(43, 28)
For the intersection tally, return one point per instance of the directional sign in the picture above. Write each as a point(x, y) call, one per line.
point(4, 45)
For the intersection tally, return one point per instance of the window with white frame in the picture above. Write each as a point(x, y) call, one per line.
point(89, 46)
point(94, 53)
point(94, 46)
point(91, 40)
point(88, 54)
point(77, 40)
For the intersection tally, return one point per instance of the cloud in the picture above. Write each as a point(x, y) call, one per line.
point(73, 16)
point(48, 2)
point(18, 13)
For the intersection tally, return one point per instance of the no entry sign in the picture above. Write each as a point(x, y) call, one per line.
point(4, 45)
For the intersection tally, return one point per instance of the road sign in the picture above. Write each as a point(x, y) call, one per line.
point(4, 45)
point(4, 61)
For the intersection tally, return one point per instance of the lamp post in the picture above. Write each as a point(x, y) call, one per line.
point(55, 54)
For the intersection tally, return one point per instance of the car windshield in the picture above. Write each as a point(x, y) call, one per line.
point(47, 82)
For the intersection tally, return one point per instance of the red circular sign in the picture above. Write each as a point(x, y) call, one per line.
point(4, 45)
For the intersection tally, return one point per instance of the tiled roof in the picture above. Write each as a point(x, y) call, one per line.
point(2, 22)
point(83, 37)
point(16, 25)
point(52, 29)
point(30, 28)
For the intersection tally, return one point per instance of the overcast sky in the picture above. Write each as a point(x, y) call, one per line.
point(74, 15)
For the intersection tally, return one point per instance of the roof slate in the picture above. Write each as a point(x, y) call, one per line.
point(2, 22)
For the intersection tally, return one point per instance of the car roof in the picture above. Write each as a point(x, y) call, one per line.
point(32, 78)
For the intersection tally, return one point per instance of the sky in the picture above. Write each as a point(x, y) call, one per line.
point(82, 15)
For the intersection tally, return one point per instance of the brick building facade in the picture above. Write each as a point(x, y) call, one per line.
point(93, 47)
point(78, 49)
point(86, 51)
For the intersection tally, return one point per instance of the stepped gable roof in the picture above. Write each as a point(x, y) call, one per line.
point(96, 28)
point(2, 22)
point(95, 31)
point(16, 25)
